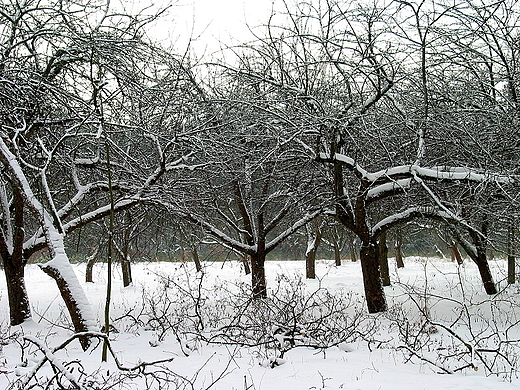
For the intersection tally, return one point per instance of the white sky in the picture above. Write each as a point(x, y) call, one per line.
point(206, 22)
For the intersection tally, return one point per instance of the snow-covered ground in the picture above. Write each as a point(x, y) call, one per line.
point(312, 334)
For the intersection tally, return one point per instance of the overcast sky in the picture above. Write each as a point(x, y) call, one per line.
point(206, 22)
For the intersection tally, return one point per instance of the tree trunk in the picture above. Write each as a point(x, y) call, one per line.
point(456, 253)
point(245, 262)
point(259, 286)
point(91, 260)
point(126, 264)
point(511, 269)
point(19, 309)
point(126, 269)
point(196, 258)
point(14, 262)
point(375, 295)
point(399, 250)
point(353, 255)
point(485, 274)
point(59, 267)
point(511, 261)
point(337, 254)
point(382, 250)
point(310, 265)
point(312, 247)
point(480, 259)
point(76, 309)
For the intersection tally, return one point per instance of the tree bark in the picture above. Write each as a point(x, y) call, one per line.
point(485, 274)
point(456, 253)
point(310, 265)
point(312, 248)
point(245, 262)
point(19, 308)
point(91, 260)
point(80, 325)
point(480, 258)
point(399, 250)
point(196, 258)
point(382, 250)
point(126, 269)
point(126, 264)
point(511, 261)
point(511, 269)
point(337, 254)
point(353, 255)
point(374, 292)
point(259, 287)
point(14, 263)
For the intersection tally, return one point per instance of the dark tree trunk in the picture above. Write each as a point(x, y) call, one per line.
point(19, 309)
point(14, 265)
point(337, 254)
point(485, 274)
point(310, 265)
point(511, 261)
point(258, 275)
point(126, 269)
point(245, 262)
point(310, 255)
point(68, 297)
point(382, 250)
point(511, 269)
point(91, 260)
point(399, 250)
point(456, 253)
point(480, 259)
point(126, 264)
point(196, 258)
point(374, 292)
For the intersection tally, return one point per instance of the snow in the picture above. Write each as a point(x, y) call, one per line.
point(435, 173)
point(370, 362)
point(389, 187)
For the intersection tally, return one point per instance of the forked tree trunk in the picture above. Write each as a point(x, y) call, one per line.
point(374, 292)
point(59, 268)
point(382, 250)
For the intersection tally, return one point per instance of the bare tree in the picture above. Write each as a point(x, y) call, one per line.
point(72, 77)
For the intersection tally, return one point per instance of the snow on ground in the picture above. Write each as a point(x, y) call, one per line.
point(372, 357)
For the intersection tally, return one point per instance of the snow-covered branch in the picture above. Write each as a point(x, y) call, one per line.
point(217, 233)
point(408, 215)
point(298, 224)
point(408, 171)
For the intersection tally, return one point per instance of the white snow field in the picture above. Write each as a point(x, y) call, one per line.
point(441, 330)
